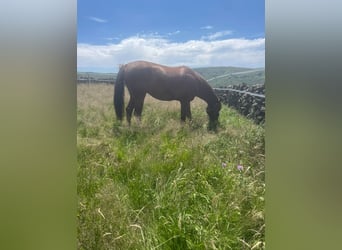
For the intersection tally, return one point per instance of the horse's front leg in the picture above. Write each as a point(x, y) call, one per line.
point(185, 110)
point(188, 113)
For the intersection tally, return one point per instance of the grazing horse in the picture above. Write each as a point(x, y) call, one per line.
point(163, 83)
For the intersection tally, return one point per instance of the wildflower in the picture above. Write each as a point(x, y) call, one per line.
point(239, 167)
point(224, 164)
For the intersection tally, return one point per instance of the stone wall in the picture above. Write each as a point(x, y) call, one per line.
point(252, 107)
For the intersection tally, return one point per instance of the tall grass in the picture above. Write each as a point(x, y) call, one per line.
point(160, 184)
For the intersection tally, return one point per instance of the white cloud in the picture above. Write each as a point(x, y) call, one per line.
point(112, 38)
point(217, 35)
point(98, 20)
point(208, 27)
point(194, 53)
point(173, 33)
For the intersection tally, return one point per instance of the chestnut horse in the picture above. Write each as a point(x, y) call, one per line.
point(163, 83)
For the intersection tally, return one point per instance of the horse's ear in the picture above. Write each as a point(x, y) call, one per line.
point(120, 65)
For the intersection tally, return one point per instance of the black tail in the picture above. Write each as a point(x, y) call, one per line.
point(119, 92)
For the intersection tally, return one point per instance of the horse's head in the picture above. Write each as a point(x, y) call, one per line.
point(213, 111)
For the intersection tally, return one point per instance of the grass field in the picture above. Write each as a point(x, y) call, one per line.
point(160, 184)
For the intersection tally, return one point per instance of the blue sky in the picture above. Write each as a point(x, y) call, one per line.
point(186, 32)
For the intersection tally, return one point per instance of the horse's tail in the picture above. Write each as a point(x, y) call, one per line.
point(119, 92)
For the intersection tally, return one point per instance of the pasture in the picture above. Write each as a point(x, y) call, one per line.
point(160, 184)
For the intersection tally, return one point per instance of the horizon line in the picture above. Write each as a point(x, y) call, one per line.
point(247, 68)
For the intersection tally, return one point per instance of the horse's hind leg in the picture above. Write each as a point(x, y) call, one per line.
point(129, 110)
point(138, 107)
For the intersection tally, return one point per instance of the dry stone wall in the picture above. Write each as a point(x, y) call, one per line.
point(253, 107)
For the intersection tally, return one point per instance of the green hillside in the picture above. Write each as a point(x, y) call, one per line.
point(232, 75)
point(160, 184)
point(210, 72)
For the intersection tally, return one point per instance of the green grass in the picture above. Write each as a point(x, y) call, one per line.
point(160, 184)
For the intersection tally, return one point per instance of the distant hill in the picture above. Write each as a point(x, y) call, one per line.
point(94, 77)
point(216, 76)
point(224, 76)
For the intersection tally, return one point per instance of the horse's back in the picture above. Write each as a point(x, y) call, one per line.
point(143, 70)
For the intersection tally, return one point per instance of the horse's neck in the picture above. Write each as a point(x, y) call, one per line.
point(206, 93)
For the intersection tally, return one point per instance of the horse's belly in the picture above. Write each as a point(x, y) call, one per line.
point(163, 95)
